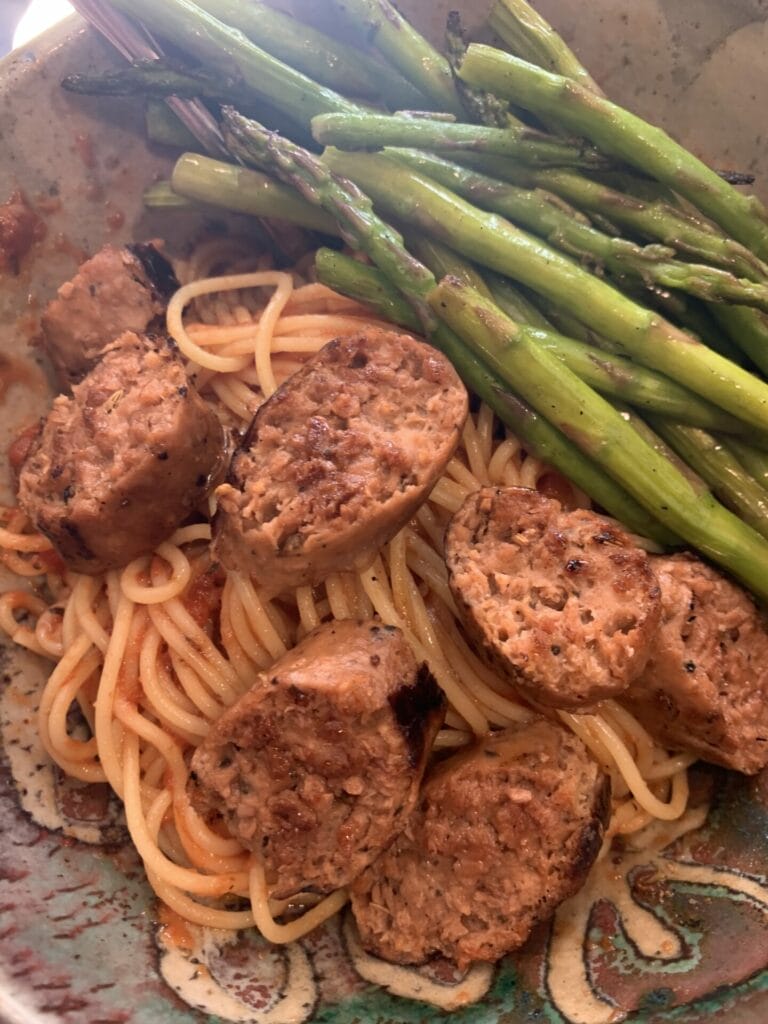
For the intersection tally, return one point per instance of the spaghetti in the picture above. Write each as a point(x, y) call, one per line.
point(135, 649)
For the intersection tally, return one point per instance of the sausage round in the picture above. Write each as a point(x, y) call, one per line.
point(504, 832)
point(560, 602)
point(705, 687)
point(318, 766)
point(124, 460)
point(339, 459)
point(117, 290)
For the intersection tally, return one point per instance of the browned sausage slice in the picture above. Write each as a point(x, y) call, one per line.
point(117, 290)
point(120, 464)
point(318, 765)
point(705, 687)
point(503, 833)
point(339, 459)
point(561, 602)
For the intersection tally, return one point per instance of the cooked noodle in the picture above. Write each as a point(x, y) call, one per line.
point(135, 650)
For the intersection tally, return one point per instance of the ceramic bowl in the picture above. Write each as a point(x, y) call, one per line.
point(677, 937)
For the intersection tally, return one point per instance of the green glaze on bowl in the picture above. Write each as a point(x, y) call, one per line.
point(681, 937)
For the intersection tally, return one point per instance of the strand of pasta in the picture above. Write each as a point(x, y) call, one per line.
point(282, 933)
point(145, 567)
point(372, 580)
point(21, 600)
point(264, 333)
point(173, 897)
point(174, 315)
point(110, 754)
point(168, 703)
point(263, 626)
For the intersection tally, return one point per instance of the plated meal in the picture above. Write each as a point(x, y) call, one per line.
point(397, 555)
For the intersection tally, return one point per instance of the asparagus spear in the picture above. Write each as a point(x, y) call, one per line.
point(366, 284)
point(380, 24)
point(244, 191)
point(530, 36)
point(369, 285)
point(724, 473)
point(210, 40)
point(747, 328)
point(165, 128)
point(602, 433)
point(161, 196)
point(157, 77)
point(529, 146)
point(483, 107)
point(754, 461)
point(693, 316)
point(535, 210)
point(441, 261)
point(517, 306)
point(640, 426)
point(616, 377)
point(621, 134)
point(328, 61)
point(493, 242)
point(652, 217)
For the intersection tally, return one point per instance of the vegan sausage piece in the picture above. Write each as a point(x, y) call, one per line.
point(339, 459)
point(705, 687)
point(560, 602)
point(504, 831)
point(123, 461)
point(117, 290)
point(318, 765)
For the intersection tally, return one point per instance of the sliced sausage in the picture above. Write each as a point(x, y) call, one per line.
point(339, 459)
point(117, 290)
point(120, 464)
point(318, 765)
point(561, 602)
point(504, 832)
point(705, 687)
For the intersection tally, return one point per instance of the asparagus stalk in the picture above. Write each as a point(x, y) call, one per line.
point(601, 432)
point(164, 127)
point(242, 190)
point(511, 301)
point(210, 40)
point(380, 24)
point(531, 37)
point(493, 242)
point(616, 377)
point(640, 426)
point(721, 469)
point(161, 196)
point(366, 284)
point(535, 210)
point(442, 261)
point(621, 134)
point(653, 217)
point(754, 461)
point(369, 285)
point(746, 328)
point(527, 145)
point(326, 60)
point(157, 77)
point(566, 323)
point(483, 107)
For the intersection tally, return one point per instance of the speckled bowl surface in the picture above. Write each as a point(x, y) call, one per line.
point(680, 937)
